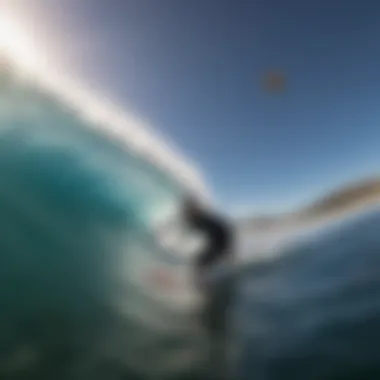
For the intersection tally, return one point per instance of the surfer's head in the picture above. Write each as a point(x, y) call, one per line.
point(192, 206)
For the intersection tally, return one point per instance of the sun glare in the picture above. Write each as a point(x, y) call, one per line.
point(16, 45)
point(19, 48)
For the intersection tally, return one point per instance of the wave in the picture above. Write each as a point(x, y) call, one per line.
point(78, 213)
point(81, 294)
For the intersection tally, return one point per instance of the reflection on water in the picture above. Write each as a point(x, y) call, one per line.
point(315, 313)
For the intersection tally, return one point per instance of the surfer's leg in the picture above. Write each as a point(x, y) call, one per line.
point(222, 328)
point(215, 323)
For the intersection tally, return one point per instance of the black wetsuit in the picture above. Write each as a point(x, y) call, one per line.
point(219, 237)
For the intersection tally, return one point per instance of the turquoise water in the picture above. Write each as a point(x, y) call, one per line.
point(76, 215)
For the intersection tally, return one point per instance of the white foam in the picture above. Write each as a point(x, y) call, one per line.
point(100, 114)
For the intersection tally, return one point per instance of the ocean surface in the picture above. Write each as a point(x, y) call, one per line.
point(78, 249)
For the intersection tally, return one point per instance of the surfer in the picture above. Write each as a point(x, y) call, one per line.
point(216, 254)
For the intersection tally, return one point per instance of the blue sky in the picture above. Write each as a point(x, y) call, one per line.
point(193, 68)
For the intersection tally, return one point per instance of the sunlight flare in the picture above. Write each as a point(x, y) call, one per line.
point(16, 45)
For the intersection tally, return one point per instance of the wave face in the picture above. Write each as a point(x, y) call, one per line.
point(77, 214)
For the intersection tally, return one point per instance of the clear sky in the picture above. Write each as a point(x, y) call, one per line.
point(193, 69)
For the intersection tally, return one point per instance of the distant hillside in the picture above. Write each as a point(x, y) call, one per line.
point(340, 200)
point(345, 198)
